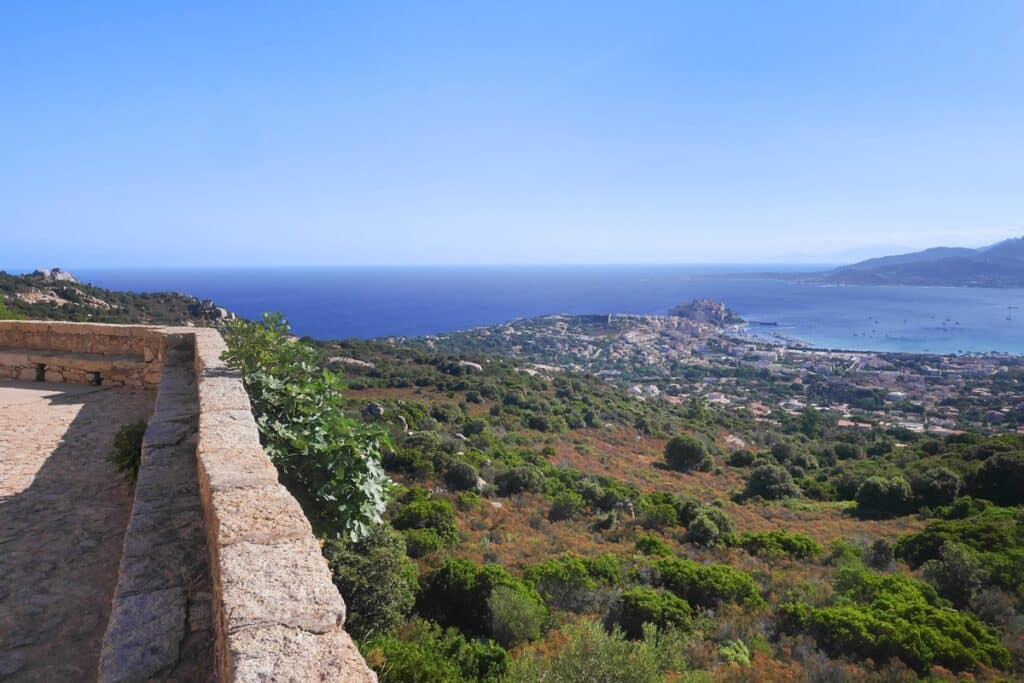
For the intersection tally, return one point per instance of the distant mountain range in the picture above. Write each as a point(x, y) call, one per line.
point(998, 265)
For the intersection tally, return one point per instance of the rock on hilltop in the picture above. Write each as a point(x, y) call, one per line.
point(706, 311)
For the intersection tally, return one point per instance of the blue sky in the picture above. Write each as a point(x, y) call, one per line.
point(169, 134)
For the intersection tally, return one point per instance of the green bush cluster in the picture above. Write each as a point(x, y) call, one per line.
point(377, 579)
point(963, 553)
point(641, 605)
point(465, 596)
point(649, 544)
point(427, 523)
point(706, 524)
point(686, 453)
point(707, 585)
point(884, 616)
point(423, 652)
point(879, 497)
point(771, 482)
point(575, 583)
point(781, 543)
point(566, 505)
point(590, 654)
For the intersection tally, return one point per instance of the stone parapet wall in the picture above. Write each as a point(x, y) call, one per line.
point(277, 614)
point(82, 353)
point(261, 583)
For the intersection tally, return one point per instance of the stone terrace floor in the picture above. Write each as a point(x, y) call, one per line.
point(63, 513)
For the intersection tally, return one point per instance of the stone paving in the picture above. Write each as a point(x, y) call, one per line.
point(63, 514)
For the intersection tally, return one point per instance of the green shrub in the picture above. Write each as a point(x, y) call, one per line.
point(520, 480)
point(936, 486)
point(741, 458)
point(879, 498)
point(468, 500)
point(771, 482)
point(424, 653)
point(957, 574)
point(461, 476)
point(686, 453)
point(376, 578)
point(652, 545)
point(885, 616)
point(781, 543)
point(880, 555)
point(432, 513)
point(458, 594)
point(703, 531)
point(641, 605)
point(707, 585)
point(574, 583)
point(659, 516)
point(126, 454)
point(1001, 479)
point(331, 461)
point(567, 505)
point(735, 652)
point(516, 614)
point(590, 654)
point(422, 542)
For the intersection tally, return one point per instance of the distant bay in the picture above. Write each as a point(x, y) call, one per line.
point(412, 301)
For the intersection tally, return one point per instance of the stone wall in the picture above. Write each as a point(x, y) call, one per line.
point(219, 564)
point(83, 353)
point(277, 614)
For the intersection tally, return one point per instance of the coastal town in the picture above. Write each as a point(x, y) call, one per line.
point(704, 351)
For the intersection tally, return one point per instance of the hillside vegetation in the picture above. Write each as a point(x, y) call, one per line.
point(42, 297)
point(543, 525)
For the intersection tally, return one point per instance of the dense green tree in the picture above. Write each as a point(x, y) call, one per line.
point(639, 606)
point(957, 574)
point(652, 545)
point(1001, 479)
point(771, 482)
point(936, 486)
point(879, 497)
point(429, 513)
point(520, 480)
point(376, 579)
point(461, 476)
point(516, 614)
point(686, 453)
point(781, 543)
point(459, 593)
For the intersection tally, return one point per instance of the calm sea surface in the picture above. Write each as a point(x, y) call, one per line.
point(376, 302)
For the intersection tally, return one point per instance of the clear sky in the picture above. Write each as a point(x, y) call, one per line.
point(173, 134)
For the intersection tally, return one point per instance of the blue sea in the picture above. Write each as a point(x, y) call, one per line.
point(411, 301)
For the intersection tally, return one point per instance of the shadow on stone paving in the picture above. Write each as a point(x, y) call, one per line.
point(61, 536)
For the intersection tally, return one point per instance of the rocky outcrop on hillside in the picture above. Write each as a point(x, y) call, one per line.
point(56, 294)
